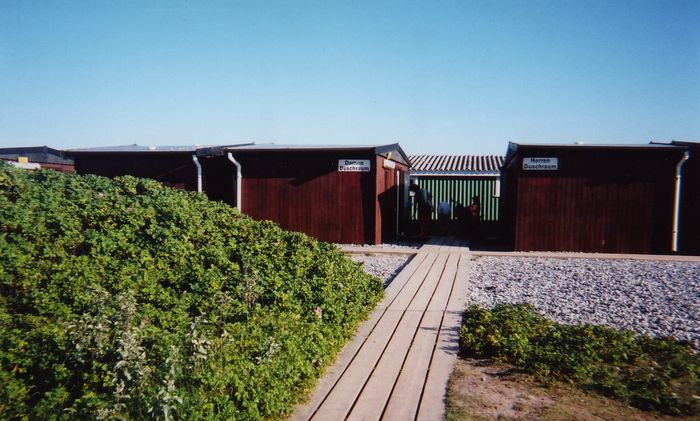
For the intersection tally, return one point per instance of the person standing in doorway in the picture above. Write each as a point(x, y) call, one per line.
point(475, 217)
point(443, 213)
point(424, 203)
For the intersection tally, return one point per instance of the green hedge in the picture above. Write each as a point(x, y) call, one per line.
point(659, 374)
point(125, 299)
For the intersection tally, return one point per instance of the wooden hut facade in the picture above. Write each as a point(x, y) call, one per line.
point(37, 157)
point(689, 194)
point(586, 198)
point(342, 194)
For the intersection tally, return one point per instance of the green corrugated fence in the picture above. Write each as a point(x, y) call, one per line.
point(460, 190)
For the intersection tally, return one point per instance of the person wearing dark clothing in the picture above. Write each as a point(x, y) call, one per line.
point(474, 217)
point(462, 216)
point(425, 209)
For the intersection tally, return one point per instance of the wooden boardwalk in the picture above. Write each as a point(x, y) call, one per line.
point(397, 365)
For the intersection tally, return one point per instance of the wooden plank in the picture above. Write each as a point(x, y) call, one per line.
point(403, 403)
point(346, 356)
point(433, 245)
point(444, 265)
point(404, 298)
point(304, 411)
point(400, 280)
point(339, 401)
point(432, 402)
point(372, 400)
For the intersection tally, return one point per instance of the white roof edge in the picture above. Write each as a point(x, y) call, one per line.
point(456, 173)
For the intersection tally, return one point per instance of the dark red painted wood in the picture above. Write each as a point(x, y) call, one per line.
point(689, 235)
point(174, 170)
point(300, 190)
point(387, 211)
point(306, 192)
point(219, 176)
point(64, 168)
point(617, 201)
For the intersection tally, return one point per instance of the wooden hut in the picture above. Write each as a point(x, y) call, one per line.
point(37, 157)
point(591, 198)
point(343, 194)
point(689, 195)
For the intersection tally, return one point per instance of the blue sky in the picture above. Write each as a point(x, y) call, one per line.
point(436, 76)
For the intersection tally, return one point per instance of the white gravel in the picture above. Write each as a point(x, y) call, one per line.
point(383, 266)
point(649, 297)
point(390, 246)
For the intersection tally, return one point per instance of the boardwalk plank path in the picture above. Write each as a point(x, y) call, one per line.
point(397, 365)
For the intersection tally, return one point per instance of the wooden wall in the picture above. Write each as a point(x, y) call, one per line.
point(174, 170)
point(306, 192)
point(219, 179)
point(64, 168)
point(301, 191)
point(599, 200)
point(689, 236)
point(389, 203)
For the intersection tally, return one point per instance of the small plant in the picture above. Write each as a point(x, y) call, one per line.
point(659, 374)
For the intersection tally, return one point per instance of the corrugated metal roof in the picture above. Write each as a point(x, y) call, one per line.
point(456, 164)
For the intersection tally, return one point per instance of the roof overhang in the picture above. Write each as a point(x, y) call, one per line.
point(514, 148)
point(415, 173)
point(393, 151)
point(390, 151)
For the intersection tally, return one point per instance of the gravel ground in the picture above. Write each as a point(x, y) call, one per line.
point(397, 244)
point(383, 266)
point(649, 297)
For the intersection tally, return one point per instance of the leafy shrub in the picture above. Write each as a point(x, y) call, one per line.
point(659, 374)
point(125, 299)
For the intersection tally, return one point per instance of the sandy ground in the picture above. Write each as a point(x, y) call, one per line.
point(478, 391)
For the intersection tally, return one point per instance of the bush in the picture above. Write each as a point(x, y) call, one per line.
point(123, 298)
point(659, 374)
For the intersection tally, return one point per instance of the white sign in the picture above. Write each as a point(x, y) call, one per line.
point(540, 164)
point(353, 165)
point(390, 165)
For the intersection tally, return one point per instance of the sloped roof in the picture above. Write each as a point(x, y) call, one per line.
point(394, 150)
point(456, 164)
point(41, 154)
point(514, 148)
point(134, 148)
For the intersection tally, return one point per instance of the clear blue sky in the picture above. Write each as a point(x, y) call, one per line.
point(436, 76)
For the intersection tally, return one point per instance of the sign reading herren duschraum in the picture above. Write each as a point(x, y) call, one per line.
point(540, 164)
point(353, 165)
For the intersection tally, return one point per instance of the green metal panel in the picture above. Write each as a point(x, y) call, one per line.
point(460, 190)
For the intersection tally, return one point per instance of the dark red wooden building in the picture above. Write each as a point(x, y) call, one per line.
point(689, 228)
point(37, 157)
point(171, 165)
point(344, 194)
point(592, 198)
